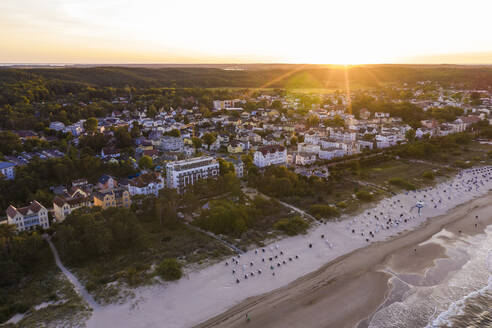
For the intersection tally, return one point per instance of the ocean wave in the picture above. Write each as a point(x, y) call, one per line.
point(469, 310)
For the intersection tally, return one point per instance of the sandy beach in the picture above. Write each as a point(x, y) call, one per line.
point(346, 291)
point(336, 275)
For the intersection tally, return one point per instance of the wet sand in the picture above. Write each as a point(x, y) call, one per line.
point(351, 288)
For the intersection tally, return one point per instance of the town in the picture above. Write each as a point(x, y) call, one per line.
point(135, 186)
point(302, 132)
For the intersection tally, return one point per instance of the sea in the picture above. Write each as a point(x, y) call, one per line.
point(455, 293)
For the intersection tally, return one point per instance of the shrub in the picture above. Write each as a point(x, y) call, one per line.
point(364, 195)
point(326, 211)
point(462, 164)
point(399, 182)
point(292, 226)
point(429, 175)
point(342, 204)
point(170, 269)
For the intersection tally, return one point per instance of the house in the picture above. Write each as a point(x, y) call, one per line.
point(108, 152)
point(270, 155)
point(146, 184)
point(57, 126)
point(235, 147)
point(180, 174)
point(115, 197)
point(169, 143)
point(64, 205)
point(106, 182)
point(28, 217)
point(7, 170)
point(364, 114)
point(305, 158)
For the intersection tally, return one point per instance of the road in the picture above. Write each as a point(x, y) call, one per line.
point(78, 287)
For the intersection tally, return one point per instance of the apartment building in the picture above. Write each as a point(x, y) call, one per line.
point(180, 174)
point(116, 197)
point(28, 217)
point(270, 155)
point(146, 184)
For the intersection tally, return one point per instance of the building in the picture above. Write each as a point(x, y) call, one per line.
point(7, 170)
point(169, 143)
point(331, 153)
point(270, 155)
point(308, 148)
point(65, 204)
point(225, 104)
point(235, 147)
point(146, 184)
point(108, 152)
point(238, 166)
point(179, 174)
point(305, 158)
point(28, 217)
point(106, 182)
point(116, 197)
point(57, 126)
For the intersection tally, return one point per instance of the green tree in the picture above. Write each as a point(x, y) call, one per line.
point(209, 138)
point(197, 142)
point(170, 269)
point(9, 142)
point(90, 125)
point(151, 111)
point(145, 162)
point(410, 135)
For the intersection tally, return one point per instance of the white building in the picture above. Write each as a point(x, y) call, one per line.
point(179, 174)
point(28, 217)
point(270, 155)
point(169, 143)
point(307, 148)
point(57, 126)
point(331, 153)
point(146, 184)
point(7, 170)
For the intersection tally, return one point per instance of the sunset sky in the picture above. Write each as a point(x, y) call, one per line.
point(228, 31)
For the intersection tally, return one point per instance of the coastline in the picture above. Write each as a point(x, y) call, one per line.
point(342, 257)
point(308, 301)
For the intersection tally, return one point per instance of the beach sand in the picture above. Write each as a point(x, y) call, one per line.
point(334, 276)
point(349, 289)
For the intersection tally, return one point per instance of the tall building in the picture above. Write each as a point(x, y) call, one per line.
point(179, 174)
point(270, 155)
point(28, 217)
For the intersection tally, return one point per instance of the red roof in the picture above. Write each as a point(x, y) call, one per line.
point(34, 207)
point(271, 149)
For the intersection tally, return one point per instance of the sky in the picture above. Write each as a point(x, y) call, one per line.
point(252, 31)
